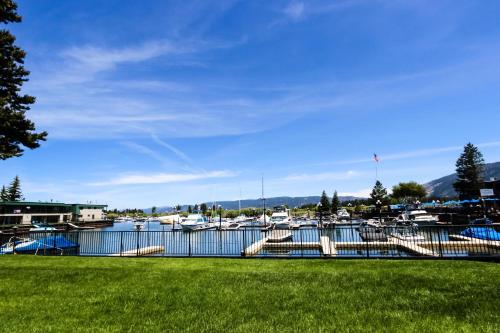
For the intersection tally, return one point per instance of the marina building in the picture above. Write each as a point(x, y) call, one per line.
point(27, 213)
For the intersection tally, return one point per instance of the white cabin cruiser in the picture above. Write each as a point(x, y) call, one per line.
point(418, 216)
point(281, 218)
point(343, 214)
point(195, 221)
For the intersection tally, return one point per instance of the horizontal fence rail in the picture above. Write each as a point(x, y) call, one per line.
point(356, 241)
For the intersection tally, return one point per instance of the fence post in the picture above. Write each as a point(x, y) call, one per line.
point(439, 243)
point(54, 243)
point(367, 249)
point(137, 233)
point(14, 240)
point(301, 243)
point(121, 243)
point(244, 242)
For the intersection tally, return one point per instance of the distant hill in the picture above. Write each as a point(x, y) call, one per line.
point(270, 202)
point(443, 187)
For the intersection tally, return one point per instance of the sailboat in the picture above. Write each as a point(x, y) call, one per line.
point(241, 218)
point(264, 219)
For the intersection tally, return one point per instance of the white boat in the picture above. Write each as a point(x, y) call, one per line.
point(138, 225)
point(170, 219)
point(123, 219)
point(195, 221)
point(230, 225)
point(281, 218)
point(37, 227)
point(407, 232)
point(343, 214)
point(241, 218)
point(263, 219)
point(418, 216)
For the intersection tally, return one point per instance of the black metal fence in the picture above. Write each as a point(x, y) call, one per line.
point(337, 241)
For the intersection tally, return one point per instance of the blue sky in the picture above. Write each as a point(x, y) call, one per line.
point(165, 102)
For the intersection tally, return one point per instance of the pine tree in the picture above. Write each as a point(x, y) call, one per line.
point(325, 203)
point(335, 203)
point(4, 196)
point(379, 192)
point(190, 209)
point(16, 130)
point(470, 172)
point(14, 191)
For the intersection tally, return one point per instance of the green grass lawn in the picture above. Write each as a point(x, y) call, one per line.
point(57, 294)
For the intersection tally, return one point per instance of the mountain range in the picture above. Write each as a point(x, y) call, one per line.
point(270, 202)
point(443, 187)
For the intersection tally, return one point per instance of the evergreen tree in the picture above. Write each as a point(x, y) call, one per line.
point(178, 208)
point(14, 191)
point(470, 172)
point(379, 192)
point(4, 195)
point(203, 208)
point(16, 131)
point(335, 203)
point(190, 209)
point(325, 203)
point(153, 210)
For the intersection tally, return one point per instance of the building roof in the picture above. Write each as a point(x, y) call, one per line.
point(39, 203)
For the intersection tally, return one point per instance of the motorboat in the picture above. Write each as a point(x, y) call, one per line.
point(230, 225)
point(343, 214)
point(123, 219)
point(52, 244)
point(38, 228)
point(419, 216)
point(479, 229)
point(281, 218)
point(195, 221)
point(406, 231)
point(264, 219)
point(372, 231)
point(170, 219)
point(241, 218)
point(138, 225)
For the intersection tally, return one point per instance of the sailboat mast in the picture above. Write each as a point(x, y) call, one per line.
point(263, 202)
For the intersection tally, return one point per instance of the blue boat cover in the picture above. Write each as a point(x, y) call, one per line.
point(481, 233)
point(44, 243)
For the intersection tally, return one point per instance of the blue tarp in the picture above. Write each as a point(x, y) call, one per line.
point(481, 233)
point(44, 243)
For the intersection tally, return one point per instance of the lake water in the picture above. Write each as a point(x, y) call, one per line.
point(123, 237)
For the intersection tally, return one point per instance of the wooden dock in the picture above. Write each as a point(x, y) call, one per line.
point(279, 235)
point(328, 247)
point(254, 248)
point(476, 241)
point(141, 252)
point(413, 247)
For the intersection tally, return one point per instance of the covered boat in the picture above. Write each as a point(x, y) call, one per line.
point(486, 233)
point(50, 244)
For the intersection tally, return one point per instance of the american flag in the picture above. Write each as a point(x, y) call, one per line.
point(375, 157)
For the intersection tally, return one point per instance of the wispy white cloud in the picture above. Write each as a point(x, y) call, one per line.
point(407, 154)
point(163, 178)
point(294, 10)
point(363, 193)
